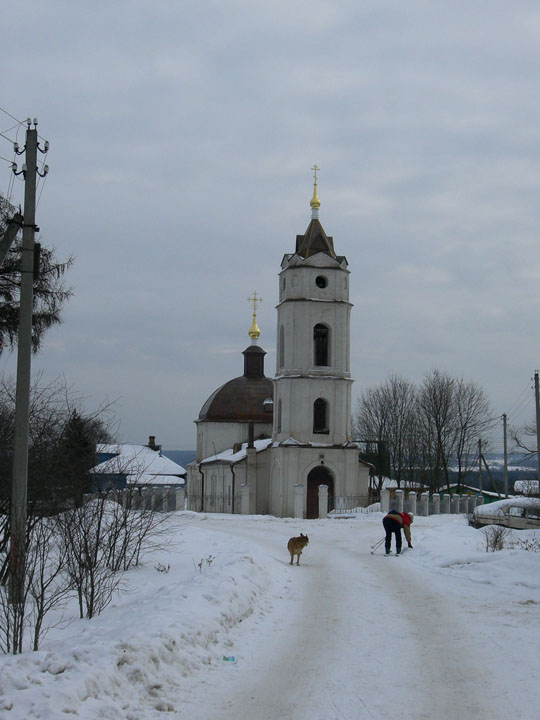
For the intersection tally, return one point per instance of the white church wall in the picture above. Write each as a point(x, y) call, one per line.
point(193, 487)
point(304, 304)
point(298, 320)
point(298, 277)
point(263, 483)
point(298, 396)
point(291, 466)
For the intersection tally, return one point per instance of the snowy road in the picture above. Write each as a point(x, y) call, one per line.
point(353, 635)
point(445, 632)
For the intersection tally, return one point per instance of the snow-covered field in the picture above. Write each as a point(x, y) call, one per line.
point(446, 631)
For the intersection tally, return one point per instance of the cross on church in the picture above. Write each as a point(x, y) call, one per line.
point(255, 300)
point(315, 168)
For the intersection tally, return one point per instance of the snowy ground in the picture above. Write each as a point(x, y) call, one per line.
point(446, 631)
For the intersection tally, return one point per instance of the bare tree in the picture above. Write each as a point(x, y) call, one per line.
point(400, 395)
point(101, 539)
point(387, 414)
point(371, 422)
point(12, 620)
point(62, 450)
point(48, 584)
point(132, 532)
point(436, 404)
point(83, 532)
point(426, 428)
point(473, 419)
point(524, 439)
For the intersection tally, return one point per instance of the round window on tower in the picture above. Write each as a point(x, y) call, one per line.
point(321, 281)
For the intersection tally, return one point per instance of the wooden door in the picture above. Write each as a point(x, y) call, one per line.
point(318, 476)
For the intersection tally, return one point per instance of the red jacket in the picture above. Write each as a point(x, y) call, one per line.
point(403, 519)
point(406, 519)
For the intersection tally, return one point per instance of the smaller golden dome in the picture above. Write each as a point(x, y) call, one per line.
point(315, 202)
point(254, 330)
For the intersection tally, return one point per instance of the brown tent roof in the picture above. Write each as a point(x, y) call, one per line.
point(314, 240)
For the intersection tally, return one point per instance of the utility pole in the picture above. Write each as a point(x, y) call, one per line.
point(17, 553)
point(505, 457)
point(537, 404)
point(14, 225)
point(480, 465)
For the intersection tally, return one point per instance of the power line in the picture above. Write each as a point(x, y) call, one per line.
point(20, 122)
point(9, 129)
point(521, 401)
point(41, 190)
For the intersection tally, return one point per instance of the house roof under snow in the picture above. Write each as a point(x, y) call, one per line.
point(140, 463)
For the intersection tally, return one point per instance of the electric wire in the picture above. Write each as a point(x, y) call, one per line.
point(42, 176)
point(11, 179)
point(519, 399)
point(9, 129)
point(11, 185)
point(19, 122)
point(42, 185)
point(522, 404)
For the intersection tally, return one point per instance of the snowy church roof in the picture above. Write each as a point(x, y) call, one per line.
point(232, 457)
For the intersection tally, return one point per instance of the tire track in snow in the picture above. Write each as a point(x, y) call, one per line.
point(352, 637)
point(311, 664)
point(446, 675)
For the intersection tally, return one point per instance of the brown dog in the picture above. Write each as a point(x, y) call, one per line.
point(296, 545)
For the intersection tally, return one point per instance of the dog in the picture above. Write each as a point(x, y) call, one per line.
point(296, 545)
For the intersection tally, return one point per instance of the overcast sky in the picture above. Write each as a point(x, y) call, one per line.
point(181, 140)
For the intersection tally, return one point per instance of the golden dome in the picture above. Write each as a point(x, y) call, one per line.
point(315, 202)
point(254, 330)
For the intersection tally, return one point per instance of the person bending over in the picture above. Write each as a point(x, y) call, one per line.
point(393, 523)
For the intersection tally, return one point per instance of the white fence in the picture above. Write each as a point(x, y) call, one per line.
point(425, 505)
point(158, 498)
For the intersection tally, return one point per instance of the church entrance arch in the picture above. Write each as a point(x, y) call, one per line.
point(320, 475)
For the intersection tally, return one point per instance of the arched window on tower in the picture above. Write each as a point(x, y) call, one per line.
point(281, 346)
point(320, 416)
point(278, 421)
point(321, 344)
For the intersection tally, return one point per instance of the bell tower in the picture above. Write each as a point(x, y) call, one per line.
point(312, 396)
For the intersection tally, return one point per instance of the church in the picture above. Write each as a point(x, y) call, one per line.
point(283, 447)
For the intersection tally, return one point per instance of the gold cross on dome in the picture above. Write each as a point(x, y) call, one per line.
point(255, 300)
point(315, 168)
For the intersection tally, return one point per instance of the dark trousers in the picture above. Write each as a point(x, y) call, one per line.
point(391, 526)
